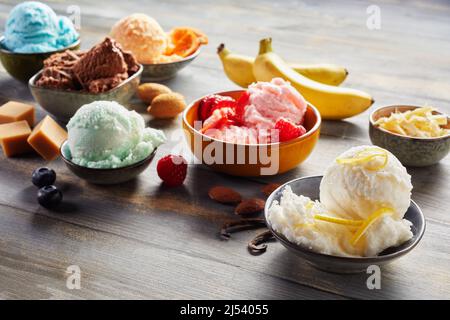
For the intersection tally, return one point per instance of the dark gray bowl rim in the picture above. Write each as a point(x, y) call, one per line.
point(133, 165)
point(372, 123)
point(32, 85)
point(307, 251)
point(4, 50)
point(190, 57)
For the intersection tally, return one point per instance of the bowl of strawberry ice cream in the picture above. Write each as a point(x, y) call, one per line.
point(242, 132)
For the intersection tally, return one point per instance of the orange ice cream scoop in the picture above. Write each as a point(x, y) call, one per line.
point(142, 35)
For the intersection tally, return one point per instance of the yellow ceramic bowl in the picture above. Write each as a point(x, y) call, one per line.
point(250, 159)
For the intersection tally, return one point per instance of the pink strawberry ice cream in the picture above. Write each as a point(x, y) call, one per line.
point(270, 101)
point(267, 112)
point(240, 135)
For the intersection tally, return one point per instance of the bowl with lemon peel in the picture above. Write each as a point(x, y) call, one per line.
point(417, 136)
point(309, 187)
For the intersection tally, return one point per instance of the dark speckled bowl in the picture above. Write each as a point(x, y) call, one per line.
point(309, 187)
point(411, 151)
point(63, 103)
point(165, 71)
point(23, 66)
point(106, 176)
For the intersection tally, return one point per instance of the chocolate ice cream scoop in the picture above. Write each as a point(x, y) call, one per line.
point(104, 67)
point(64, 60)
point(57, 72)
point(100, 69)
point(131, 62)
point(103, 61)
point(55, 78)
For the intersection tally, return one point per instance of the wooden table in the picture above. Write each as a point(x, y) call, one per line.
point(141, 240)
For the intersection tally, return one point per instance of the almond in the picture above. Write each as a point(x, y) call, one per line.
point(224, 195)
point(167, 105)
point(250, 206)
point(269, 188)
point(149, 91)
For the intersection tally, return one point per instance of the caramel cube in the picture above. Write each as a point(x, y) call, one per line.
point(47, 138)
point(13, 111)
point(13, 138)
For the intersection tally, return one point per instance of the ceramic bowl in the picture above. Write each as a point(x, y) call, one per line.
point(105, 176)
point(411, 151)
point(250, 160)
point(22, 66)
point(63, 103)
point(309, 186)
point(165, 71)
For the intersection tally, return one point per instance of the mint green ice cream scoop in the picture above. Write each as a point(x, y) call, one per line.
point(104, 134)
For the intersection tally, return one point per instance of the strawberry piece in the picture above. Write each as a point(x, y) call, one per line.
point(220, 117)
point(208, 103)
point(288, 130)
point(223, 104)
point(172, 170)
point(241, 103)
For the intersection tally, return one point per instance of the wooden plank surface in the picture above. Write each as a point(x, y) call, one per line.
point(141, 240)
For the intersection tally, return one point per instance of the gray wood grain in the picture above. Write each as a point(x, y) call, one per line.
point(141, 240)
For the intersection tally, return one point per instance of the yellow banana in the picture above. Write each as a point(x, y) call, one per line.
point(324, 73)
point(239, 69)
point(332, 102)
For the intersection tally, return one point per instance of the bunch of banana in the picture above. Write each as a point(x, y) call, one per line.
point(239, 69)
point(317, 83)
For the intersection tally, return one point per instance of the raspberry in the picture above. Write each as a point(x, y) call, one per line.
point(288, 131)
point(206, 105)
point(172, 170)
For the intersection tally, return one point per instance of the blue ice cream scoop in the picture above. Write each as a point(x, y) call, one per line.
point(33, 27)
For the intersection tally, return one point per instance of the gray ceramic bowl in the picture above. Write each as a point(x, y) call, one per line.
point(105, 176)
point(165, 71)
point(63, 103)
point(309, 186)
point(415, 152)
point(23, 66)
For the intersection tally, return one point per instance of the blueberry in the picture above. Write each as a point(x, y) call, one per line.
point(49, 196)
point(43, 177)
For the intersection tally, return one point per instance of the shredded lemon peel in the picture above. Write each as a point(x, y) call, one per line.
point(369, 222)
point(309, 205)
point(421, 122)
point(362, 225)
point(360, 158)
point(342, 221)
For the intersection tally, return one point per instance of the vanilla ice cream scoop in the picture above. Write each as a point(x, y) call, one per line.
point(104, 134)
point(362, 180)
point(142, 35)
point(364, 196)
point(304, 222)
